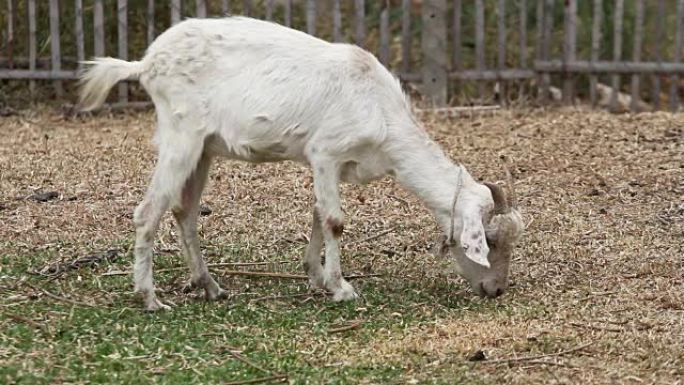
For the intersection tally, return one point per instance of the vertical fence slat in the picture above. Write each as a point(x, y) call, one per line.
point(55, 53)
point(674, 85)
point(311, 17)
point(175, 11)
point(636, 52)
point(501, 54)
point(523, 34)
point(523, 44)
point(538, 45)
point(546, 47)
point(657, 52)
point(501, 34)
point(456, 59)
point(406, 36)
point(122, 32)
point(479, 43)
point(78, 28)
point(201, 8)
point(540, 29)
point(360, 10)
point(98, 26)
point(225, 7)
point(11, 27)
point(596, 22)
point(288, 13)
point(247, 7)
point(32, 42)
point(569, 48)
point(150, 21)
point(337, 21)
point(617, 50)
point(269, 9)
point(384, 35)
point(434, 44)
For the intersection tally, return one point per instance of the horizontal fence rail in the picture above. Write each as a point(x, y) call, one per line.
point(609, 67)
point(475, 51)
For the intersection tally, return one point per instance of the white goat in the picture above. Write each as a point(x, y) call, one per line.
point(252, 90)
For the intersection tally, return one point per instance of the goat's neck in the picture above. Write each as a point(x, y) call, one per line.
point(422, 167)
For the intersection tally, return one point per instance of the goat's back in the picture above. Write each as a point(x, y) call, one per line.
point(258, 82)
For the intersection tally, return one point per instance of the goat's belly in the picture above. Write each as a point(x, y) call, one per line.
point(252, 152)
point(358, 173)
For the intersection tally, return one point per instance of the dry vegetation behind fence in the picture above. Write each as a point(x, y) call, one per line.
point(452, 51)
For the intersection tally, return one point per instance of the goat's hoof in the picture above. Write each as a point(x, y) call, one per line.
point(156, 305)
point(216, 294)
point(316, 283)
point(189, 287)
point(345, 292)
point(342, 295)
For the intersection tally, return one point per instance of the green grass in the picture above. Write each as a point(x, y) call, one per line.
point(117, 342)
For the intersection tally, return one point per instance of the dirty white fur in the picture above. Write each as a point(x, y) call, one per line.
point(251, 90)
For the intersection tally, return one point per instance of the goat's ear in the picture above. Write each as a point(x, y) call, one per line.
point(473, 240)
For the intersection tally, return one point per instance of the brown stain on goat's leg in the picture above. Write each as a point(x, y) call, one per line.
point(335, 226)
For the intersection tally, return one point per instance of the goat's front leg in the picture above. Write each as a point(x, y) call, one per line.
point(326, 190)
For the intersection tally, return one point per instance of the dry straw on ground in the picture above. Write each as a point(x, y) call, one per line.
point(601, 260)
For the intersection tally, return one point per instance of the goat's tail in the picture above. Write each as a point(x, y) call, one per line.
point(101, 75)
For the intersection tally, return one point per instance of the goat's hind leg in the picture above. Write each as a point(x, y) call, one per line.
point(146, 218)
point(185, 213)
point(179, 154)
point(312, 258)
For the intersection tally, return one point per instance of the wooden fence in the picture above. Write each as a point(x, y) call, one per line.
point(443, 47)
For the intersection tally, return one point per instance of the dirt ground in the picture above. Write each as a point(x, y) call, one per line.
point(598, 277)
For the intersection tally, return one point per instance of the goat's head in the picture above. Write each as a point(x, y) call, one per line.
point(486, 227)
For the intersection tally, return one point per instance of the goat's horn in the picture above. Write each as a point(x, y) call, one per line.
point(499, 196)
point(512, 198)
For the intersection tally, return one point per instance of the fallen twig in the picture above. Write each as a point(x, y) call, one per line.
point(400, 200)
point(270, 297)
point(27, 321)
point(59, 298)
point(210, 265)
point(561, 364)
point(278, 378)
point(267, 274)
point(550, 363)
point(287, 275)
point(528, 358)
point(370, 238)
point(214, 335)
point(56, 270)
point(358, 276)
point(353, 325)
point(594, 327)
point(244, 359)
